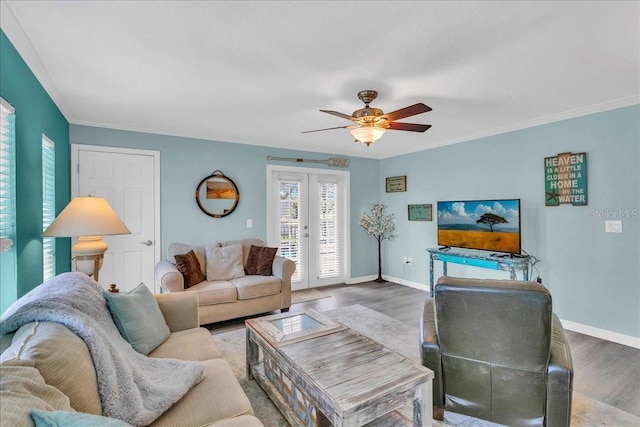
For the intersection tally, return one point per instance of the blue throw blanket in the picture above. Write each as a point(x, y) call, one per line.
point(132, 387)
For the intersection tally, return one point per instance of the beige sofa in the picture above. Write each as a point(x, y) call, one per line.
point(229, 299)
point(46, 366)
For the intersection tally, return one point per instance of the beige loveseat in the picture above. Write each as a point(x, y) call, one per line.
point(46, 366)
point(230, 298)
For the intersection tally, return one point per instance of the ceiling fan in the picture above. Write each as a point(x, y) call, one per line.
point(371, 123)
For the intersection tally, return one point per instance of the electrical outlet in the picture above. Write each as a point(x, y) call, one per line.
point(613, 226)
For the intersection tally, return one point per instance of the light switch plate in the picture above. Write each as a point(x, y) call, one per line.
point(249, 223)
point(613, 226)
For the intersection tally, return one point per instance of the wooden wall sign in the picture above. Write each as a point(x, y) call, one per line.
point(565, 179)
point(396, 184)
point(419, 212)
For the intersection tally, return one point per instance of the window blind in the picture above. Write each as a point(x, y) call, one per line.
point(7, 176)
point(290, 242)
point(48, 206)
point(329, 225)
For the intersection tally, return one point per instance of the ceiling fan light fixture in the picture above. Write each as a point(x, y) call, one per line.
point(367, 134)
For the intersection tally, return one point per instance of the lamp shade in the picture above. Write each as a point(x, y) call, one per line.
point(367, 134)
point(86, 216)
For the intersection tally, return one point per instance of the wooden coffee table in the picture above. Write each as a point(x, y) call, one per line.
point(319, 372)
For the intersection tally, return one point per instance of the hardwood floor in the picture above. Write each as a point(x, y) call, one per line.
point(603, 370)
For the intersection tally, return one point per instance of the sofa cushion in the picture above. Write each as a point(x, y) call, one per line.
point(257, 286)
point(246, 246)
point(22, 388)
point(224, 262)
point(260, 260)
point(219, 394)
point(63, 360)
point(181, 249)
point(138, 318)
point(190, 344)
point(189, 266)
point(217, 292)
point(265, 261)
point(241, 421)
point(73, 419)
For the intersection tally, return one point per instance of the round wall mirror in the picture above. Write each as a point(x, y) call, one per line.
point(217, 195)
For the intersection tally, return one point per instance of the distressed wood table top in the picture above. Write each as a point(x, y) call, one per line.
point(352, 379)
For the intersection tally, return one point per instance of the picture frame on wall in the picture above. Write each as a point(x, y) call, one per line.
point(420, 212)
point(396, 184)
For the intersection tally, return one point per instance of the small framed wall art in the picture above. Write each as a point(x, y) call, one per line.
point(396, 184)
point(419, 212)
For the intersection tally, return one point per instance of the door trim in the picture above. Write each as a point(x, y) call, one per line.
point(273, 240)
point(75, 148)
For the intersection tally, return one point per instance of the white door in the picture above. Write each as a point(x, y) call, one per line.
point(307, 216)
point(128, 180)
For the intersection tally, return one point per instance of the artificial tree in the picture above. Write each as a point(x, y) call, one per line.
point(380, 225)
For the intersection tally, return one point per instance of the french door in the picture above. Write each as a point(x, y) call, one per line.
point(308, 220)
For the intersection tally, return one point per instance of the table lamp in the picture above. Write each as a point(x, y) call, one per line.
point(88, 218)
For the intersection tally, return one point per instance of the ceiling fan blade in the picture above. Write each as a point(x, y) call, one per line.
point(413, 127)
point(319, 130)
point(411, 110)
point(335, 113)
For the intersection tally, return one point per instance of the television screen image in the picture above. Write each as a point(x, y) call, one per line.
point(490, 225)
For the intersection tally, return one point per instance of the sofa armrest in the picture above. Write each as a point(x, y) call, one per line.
point(180, 310)
point(283, 268)
point(430, 350)
point(169, 277)
point(559, 377)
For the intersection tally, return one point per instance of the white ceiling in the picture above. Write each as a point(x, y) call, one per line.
point(258, 72)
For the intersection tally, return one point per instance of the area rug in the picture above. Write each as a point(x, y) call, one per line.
point(403, 339)
point(305, 295)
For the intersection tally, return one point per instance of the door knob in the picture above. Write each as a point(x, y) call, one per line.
point(147, 243)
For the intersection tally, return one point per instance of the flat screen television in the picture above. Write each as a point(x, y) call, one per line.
point(489, 225)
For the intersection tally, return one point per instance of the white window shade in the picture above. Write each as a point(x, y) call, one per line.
point(290, 224)
point(329, 226)
point(7, 176)
point(48, 206)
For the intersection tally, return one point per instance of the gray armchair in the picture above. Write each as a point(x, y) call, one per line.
point(498, 352)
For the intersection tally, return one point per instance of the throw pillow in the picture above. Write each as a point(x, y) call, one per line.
point(246, 246)
point(189, 266)
point(224, 262)
point(252, 260)
point(138, 318)
point(266, 261)
point(181, 249)
point(73, 419)
point(260, 260)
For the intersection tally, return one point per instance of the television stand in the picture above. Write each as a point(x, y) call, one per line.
point(504, 262)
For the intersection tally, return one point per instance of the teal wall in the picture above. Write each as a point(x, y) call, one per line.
point(36, 114)
point(186, 161)
point(594, 276)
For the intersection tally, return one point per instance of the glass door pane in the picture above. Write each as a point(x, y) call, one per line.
point(290, 226)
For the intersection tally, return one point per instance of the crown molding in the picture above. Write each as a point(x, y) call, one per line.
point(16, 34)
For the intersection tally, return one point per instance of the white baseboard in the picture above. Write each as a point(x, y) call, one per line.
point(567, 324)
point(408, 283)
point(601, 333)
point(371, 278)
point(362, 279)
